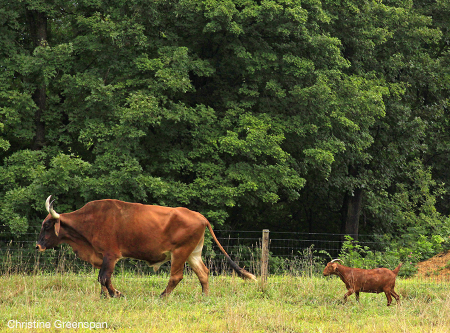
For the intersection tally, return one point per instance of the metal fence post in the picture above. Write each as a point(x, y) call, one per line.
point(264, 258)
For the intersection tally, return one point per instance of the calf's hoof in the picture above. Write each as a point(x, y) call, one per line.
point(107, 294)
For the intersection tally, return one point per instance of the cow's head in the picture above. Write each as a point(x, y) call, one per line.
point(49, 236)
point(331, 267)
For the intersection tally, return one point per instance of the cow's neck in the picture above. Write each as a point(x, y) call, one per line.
point(70, 234)
point(80, 244)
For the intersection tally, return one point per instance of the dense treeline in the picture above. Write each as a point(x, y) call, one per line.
point(315, 115)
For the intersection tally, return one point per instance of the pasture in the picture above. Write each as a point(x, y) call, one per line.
point(288, 304)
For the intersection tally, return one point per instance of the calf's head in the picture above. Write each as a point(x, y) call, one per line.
point(49, 235)
point(331, 267)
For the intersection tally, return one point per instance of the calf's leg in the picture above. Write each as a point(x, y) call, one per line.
point(388, 296)
point(348, 293)
point(396, 296)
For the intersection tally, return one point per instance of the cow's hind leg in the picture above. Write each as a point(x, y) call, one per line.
point(104, 276)
point(178, 260)
point(197, 265)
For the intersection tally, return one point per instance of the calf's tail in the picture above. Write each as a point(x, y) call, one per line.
point(397, 268)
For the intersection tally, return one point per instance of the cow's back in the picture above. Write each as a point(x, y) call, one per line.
point(136, 230)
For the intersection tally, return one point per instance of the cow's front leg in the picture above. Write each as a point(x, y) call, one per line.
point(104, 276)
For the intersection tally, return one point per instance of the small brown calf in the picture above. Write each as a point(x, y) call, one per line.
point(365, 280)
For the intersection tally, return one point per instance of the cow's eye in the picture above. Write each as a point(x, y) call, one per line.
point(47, 225)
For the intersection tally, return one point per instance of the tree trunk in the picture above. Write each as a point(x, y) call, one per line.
point(39, 97)
point(351, 210)
point(38, 30)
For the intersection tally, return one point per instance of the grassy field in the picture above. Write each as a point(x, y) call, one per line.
point(289, 304)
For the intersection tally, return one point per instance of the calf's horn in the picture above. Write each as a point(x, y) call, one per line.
point(49, 207)
point(334, 260)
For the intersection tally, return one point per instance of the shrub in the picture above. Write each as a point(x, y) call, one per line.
point(409, 250)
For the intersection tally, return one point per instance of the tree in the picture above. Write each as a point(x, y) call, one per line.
point(289, 115)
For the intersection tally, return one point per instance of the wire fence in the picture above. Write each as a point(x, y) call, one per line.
point(290, 253)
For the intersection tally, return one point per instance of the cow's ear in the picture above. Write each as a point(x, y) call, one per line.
point(334, 265)
point(57, 225)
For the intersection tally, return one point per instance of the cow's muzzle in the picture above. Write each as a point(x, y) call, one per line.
point(40, 248)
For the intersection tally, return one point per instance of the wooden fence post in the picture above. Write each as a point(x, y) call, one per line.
point(264, 258)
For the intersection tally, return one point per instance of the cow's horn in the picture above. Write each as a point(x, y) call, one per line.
point(334, 260)
point(49, 207)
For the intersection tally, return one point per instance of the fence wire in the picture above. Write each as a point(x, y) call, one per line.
point(290, 253)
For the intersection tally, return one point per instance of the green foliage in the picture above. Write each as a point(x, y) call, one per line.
point(409, 250)
point(257, 114)
point(308, 262)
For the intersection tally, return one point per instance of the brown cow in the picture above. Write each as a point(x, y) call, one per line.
point(104, 231)
point(358, 280)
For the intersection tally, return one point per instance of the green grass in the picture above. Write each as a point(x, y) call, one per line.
point(289, 304)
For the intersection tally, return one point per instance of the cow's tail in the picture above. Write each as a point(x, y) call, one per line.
point(240, 271)
point(397, 269)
